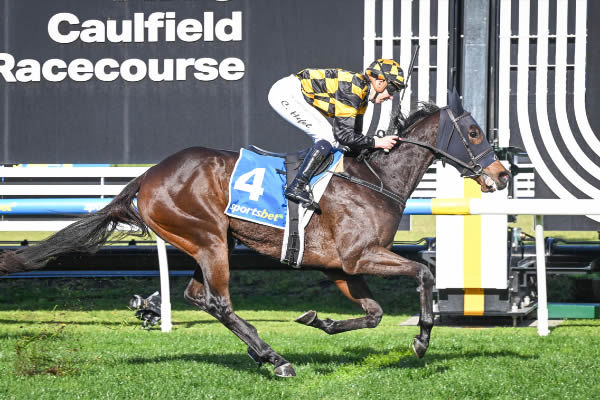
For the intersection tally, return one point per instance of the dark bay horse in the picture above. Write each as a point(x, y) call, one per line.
point(183, 199)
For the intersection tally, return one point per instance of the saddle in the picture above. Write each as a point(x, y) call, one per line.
point(293, 160)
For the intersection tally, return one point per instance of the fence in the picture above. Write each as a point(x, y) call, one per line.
point(41, 186)
point(537, 207)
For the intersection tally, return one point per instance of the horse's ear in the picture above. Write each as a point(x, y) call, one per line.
point(454, 102)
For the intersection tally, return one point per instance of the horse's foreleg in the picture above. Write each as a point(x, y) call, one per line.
point(382, 262)
point(356, 289)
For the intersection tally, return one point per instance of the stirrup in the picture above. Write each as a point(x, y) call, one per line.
point(311, 205)
point(307, 203)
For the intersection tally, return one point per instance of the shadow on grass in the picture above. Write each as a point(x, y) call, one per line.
point(359, 357)
point(190, 324)
point(250, 290)
point(561, 327)
point(131, 323)
point(58, 321)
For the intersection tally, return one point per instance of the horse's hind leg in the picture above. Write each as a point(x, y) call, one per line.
point(209, 288)
point(194, 292)
point(356, 289)
point(215, 300)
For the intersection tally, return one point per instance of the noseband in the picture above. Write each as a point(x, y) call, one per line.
point(473, 165)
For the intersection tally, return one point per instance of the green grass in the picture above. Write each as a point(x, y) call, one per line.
point(86, 344)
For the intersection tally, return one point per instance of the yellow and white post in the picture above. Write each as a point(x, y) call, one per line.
point(471, 250)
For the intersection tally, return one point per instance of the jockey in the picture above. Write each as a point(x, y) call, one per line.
point(309, 97)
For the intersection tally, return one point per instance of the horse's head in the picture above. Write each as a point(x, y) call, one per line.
point(461, 137)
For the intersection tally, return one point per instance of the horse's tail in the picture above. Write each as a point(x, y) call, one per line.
point(85, 235)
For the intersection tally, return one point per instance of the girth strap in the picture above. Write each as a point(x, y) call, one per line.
point(292, 161)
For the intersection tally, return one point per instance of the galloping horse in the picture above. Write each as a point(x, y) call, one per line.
point(183, 198)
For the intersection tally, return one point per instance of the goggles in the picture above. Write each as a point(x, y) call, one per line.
point(391, 86)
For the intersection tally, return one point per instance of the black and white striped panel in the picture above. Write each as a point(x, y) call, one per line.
point(543, 49)
point(392, 29)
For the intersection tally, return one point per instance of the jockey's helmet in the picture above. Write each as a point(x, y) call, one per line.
point(388, 70)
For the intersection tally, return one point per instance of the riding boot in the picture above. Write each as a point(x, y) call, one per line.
point(299, 189)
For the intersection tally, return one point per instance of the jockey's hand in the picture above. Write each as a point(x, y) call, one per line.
point(386, 142)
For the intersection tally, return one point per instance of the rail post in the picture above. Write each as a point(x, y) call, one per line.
point(540, 254)
point(165, 292)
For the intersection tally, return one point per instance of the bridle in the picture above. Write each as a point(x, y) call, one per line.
point(473, 165)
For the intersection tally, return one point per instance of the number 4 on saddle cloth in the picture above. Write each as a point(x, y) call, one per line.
point(256, 194)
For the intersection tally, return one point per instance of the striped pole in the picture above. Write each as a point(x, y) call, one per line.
point(458, 206)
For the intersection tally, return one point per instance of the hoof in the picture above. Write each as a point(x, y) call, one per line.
point(255, 357)
point(285, 371)
point(419, 347)
point(307, 318)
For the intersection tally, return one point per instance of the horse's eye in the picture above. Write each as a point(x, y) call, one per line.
point(473, 134)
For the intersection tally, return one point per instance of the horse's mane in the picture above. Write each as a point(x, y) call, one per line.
point(401, 123)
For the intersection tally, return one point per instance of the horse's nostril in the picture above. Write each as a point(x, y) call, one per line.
point(504, 176)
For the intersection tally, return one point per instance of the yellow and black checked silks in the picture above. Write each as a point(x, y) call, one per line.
point(341, 95)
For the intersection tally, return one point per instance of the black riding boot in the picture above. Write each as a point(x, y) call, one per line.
point(298, 190)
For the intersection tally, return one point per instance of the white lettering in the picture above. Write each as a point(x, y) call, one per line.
point(108, 69)
point(7, 63)
point(53, 28)
point(29, 71)
point(182, 66)
point(235, 23)
point(189, 30)
point(67, 28)
point(206, 69)
point(138, 65)
point(81, 70)
point(153, 24)
point(231, 69)
point(48, 70)
point(93, 31)
point(100, 69)
point(209, 26)
point(138, 23)
point(113, 36)
point(165, 75)
point(170, 27)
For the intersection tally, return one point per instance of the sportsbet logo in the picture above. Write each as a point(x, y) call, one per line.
point(255, 212)
point(7, 207)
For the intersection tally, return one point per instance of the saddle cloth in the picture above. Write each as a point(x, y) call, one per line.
point(256, 192)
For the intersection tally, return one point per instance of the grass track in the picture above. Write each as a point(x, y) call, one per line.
point(106, 356)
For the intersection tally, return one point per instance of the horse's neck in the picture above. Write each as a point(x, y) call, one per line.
point(402, 169)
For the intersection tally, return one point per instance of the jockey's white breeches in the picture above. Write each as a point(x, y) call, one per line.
point(286, 98)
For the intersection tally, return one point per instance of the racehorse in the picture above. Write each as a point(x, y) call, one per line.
point(183, 198)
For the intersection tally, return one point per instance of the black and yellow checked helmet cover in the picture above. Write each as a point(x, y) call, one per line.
point(388, 70)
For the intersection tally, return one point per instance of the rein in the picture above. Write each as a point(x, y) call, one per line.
point(441, 154)
point(379, 189)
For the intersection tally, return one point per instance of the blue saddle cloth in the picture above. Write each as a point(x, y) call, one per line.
point(256, 189)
